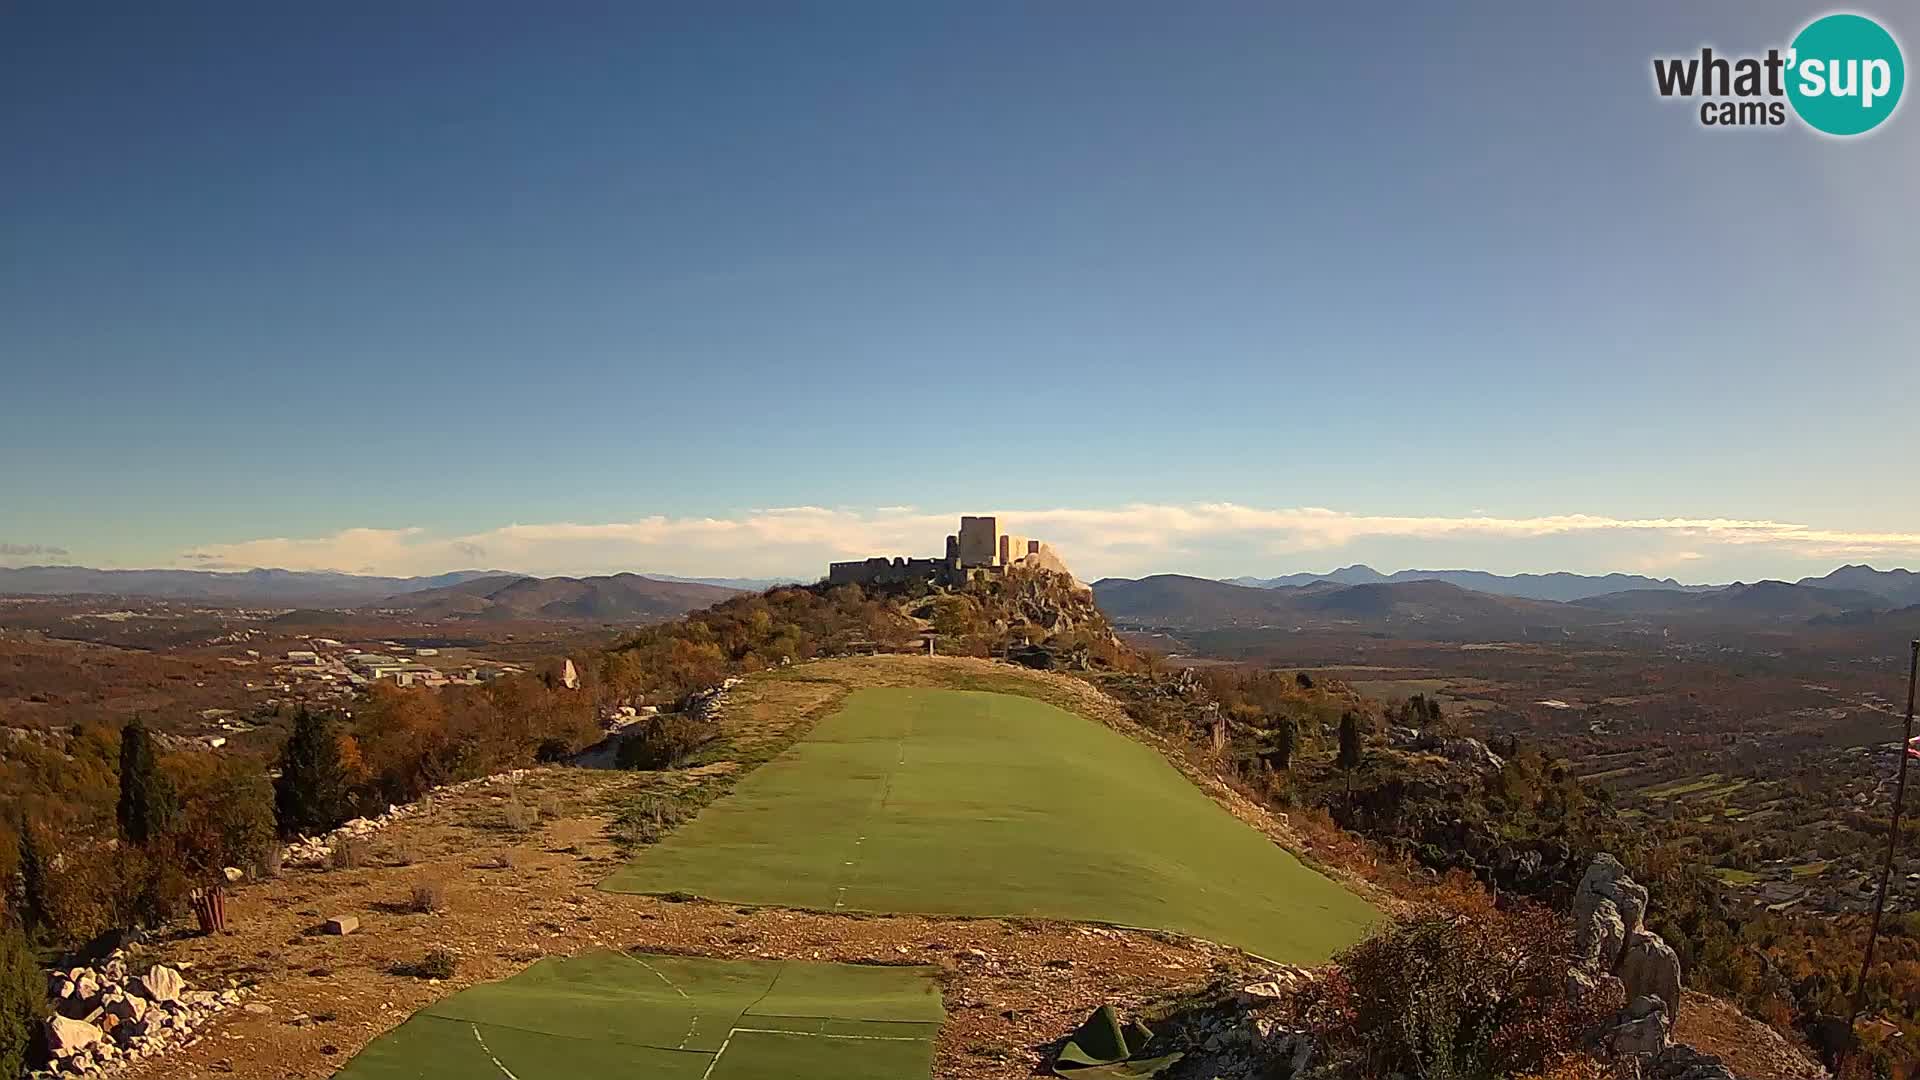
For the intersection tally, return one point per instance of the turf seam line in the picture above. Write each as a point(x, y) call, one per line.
point(485, 1049)
point(657, 974)
point(822, 1035)
point(558, 1034)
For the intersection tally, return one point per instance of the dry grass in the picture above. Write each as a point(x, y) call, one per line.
point(348, 854)
point(429, 896)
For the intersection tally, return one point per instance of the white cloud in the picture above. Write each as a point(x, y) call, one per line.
point(1132, 539)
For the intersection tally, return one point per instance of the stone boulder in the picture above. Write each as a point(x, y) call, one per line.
point(162, 984)
point(1682, 1062)
point(67, 1036)
point(1650, 968)
point(1644, 1032)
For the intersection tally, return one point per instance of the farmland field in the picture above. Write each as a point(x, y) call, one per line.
point(611, 1014)
point(949, 802)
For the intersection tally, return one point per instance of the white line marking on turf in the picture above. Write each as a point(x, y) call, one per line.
point(657, 974)
point(728, 1041)
point(504, 1071)
point(824, 1035)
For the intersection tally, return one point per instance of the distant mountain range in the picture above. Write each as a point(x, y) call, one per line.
point(270, 588)
point(1556, 586)
point(1454, 603)
point(1901, 587)
point(492, 593)
point(1439, 608)
point(616, 597)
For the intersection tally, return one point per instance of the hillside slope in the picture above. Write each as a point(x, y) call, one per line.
point(612, 597)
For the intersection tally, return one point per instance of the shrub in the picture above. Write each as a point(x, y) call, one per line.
point(553, 750)
point(429, 896)
point(348, 854)
point(437, 964)
point(1455, 996)
point(518, 816)
point(23, 999)
point(648, 819)
point(228, 818)
point(662, 742)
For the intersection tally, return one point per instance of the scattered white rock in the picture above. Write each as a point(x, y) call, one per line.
point(107, 1018)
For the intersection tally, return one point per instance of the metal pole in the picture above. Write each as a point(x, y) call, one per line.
point(1893, 838)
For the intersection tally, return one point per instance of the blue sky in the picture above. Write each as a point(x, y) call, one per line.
point(332, 288)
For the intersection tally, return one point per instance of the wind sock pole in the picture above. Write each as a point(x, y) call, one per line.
point(1893, 836)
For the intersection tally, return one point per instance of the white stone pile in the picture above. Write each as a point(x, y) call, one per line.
point(104, 1017)
point(318, 850)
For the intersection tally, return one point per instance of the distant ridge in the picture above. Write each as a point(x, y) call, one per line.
point(615, 597)
point(1900, 587)
point(471, 592)
point(1436, 608)
point(1559, 586)
point(274, 588)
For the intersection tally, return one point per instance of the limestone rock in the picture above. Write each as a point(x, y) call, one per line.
point(1650, 968)
point(162, 984)
point(127, 1007)
point(1683, 1062)
point(1644, 1031)
point(1599, 938)
point(1606, 879)
point(66, 1036)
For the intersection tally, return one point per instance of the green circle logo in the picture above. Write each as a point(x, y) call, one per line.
point(1845, 74)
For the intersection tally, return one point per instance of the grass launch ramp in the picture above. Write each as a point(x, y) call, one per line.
point(952, 802)
point(613, 1014)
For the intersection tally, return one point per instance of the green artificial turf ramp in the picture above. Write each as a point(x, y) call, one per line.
point(951, 802)
point(648, 1017)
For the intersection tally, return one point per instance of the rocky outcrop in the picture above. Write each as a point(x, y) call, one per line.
point(1649, 967)
point(1613, 945)
point(1607, 880)
point(1458, 749)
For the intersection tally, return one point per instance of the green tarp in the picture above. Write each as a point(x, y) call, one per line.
point(649, 1017)
point(948, 802)
point(1106, 1047)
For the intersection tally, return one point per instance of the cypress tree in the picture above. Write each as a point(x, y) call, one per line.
point(1349, 742)
point(33, 881)
point(147, 807)
point(23, 999)
point(1283, 746)
point(311, 794)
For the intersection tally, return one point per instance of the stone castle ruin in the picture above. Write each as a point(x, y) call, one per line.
point(979, 549)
